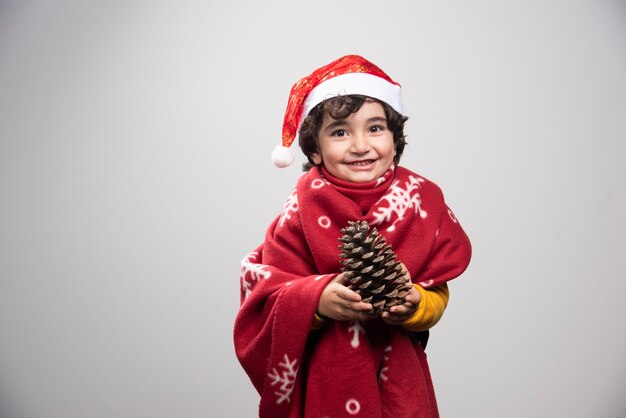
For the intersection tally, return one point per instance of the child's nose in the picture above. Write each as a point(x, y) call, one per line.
point(360, 144)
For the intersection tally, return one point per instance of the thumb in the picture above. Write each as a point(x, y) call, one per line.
point(346, 293)
point(342, 278)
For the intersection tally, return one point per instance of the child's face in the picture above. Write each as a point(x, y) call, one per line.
point(359, 148)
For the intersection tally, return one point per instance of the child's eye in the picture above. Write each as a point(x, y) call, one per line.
point(339, 132)
point(377, 128)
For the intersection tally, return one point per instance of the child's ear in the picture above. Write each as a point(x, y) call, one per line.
point(317, 158)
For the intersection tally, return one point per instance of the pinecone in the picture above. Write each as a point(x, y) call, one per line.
point(371, 266)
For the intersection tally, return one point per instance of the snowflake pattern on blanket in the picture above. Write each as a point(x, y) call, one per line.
point(400, 199)
point(291, 205)
point(285, 378)
point(251, 273)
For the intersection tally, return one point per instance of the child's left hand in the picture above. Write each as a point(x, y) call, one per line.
point(401, 313)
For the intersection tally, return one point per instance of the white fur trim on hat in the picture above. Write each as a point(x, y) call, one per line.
point(354, 83)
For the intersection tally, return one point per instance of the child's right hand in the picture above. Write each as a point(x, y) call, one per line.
point(342, 304)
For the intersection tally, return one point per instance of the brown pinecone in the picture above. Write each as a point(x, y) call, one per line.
point(371, 266)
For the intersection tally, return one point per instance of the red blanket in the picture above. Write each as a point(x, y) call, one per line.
point(364, 369)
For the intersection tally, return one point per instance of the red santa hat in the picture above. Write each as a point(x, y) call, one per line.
point(350, 74)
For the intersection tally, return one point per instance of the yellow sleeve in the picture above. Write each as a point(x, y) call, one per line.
point(431, 308)
point(318, 322)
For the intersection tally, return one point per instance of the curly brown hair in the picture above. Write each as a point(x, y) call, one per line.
point(340, 107)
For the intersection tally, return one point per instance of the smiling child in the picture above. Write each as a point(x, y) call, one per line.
point(309, 344)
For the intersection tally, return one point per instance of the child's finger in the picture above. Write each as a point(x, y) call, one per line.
point(411, 299)
point(362, 307)
point(349, 295)
point(393, 318)
point(399, 309)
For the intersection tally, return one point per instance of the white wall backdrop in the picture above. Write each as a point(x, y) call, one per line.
point(134, 175)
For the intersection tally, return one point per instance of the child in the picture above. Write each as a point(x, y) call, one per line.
point(308, 342)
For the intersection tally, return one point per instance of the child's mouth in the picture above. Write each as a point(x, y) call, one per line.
point(362, 163)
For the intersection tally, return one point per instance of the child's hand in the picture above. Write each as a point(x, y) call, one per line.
point(342, 304)
point(400, 313)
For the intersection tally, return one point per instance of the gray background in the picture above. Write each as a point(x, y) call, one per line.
point(135, 173)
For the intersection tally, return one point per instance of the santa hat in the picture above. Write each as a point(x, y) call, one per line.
point(350, 74)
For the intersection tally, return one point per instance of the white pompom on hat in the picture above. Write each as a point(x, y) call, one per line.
point(351, 74)
point(282, 156)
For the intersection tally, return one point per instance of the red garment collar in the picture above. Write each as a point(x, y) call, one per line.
point(335, 181)
point(366, 194)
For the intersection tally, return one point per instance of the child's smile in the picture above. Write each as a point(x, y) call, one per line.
point(359, 148)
